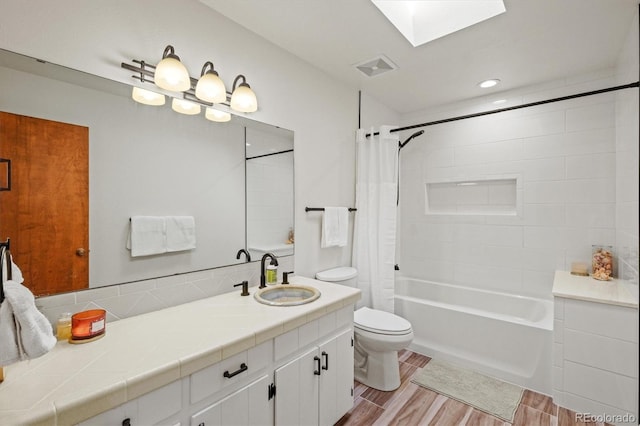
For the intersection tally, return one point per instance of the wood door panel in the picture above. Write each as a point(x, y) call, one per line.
point(46, 213)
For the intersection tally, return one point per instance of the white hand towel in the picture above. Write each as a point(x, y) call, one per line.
point(148, 235)
point(24, 332)
point(335, 227)
point(181, 233)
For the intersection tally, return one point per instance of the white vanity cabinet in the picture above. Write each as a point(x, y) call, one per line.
point(317, 386)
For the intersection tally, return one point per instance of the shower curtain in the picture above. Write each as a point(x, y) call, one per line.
point(375, 224)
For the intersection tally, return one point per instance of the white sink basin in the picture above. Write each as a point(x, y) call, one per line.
point(286, 295)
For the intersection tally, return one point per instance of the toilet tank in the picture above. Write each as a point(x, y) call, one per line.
point(344, 275)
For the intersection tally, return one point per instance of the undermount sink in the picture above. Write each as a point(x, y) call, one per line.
point(287, 295)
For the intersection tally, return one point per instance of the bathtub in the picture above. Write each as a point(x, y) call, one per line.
point(502, 335)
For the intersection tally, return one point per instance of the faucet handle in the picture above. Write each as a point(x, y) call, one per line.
point(245, 288)
point(285, 277)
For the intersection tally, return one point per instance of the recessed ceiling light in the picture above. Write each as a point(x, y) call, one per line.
point(489, 83)
point(499, 101)
point(423, 21)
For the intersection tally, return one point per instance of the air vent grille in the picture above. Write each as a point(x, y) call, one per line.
point(376, 66)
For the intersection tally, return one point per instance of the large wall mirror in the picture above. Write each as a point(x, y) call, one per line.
point(142, 161)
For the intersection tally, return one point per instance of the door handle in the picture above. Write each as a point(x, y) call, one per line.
point(325, 357)
point(8, 187)
point(80, 252)
point(316, 359)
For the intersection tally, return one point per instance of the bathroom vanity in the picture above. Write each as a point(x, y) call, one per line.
point(595, 352)
point(217, 361)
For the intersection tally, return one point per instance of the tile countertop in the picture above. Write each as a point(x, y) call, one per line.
point(142, 353)
point(613, 292)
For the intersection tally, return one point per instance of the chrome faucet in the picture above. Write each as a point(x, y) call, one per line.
point(274, 262)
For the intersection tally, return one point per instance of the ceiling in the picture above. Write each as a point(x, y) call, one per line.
point(532, 42)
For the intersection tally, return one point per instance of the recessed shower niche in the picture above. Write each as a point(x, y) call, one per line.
point(500, 196)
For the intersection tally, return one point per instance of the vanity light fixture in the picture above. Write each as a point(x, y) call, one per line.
point(242, 97)
point(210, 87)
point(489, 83)
point(217, 115)
point(185, 107)
point(208, 91)
point(147, 97)
point(170, 73)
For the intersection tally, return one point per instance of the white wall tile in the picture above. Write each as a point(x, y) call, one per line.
point(605, 320)
point(596, 116)
point(605, 353)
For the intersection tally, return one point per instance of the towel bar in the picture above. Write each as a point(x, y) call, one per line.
point(321, 209)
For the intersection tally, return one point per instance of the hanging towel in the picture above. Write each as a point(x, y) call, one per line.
point(335, 227)
point(25, 332)
point(147, 236)
point(16, 273)
point(181, 233)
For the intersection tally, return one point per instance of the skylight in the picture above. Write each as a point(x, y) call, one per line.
point(421, 21)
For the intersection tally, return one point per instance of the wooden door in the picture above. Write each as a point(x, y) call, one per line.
point(46, 212)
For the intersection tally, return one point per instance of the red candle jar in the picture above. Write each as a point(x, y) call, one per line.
point(88, 325)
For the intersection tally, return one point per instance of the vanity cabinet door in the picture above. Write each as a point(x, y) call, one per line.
point(249, 406)
point(336, 380)
point(316, 388)
point(297, 390)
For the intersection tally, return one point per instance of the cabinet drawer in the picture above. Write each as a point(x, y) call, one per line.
point(148, 409)
point(238, 367)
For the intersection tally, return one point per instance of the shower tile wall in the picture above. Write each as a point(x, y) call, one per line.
point(564, 158)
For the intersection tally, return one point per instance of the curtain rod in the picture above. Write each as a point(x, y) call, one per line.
point(496, 111)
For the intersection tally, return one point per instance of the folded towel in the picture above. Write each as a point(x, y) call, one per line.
point(335, 227)
point(181, 233)
point(25, 332)
point(147, 236)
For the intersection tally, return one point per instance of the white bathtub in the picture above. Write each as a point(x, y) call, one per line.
point(505, 336)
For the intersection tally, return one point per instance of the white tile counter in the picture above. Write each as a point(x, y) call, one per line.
point(144, 353)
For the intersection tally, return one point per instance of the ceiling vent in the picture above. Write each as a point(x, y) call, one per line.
point(376, 66)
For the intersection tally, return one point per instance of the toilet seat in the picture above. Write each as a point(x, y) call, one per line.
point(380, 322)
point(343, 273)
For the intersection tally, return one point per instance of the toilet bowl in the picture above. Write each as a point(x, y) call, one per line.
point(378, 335)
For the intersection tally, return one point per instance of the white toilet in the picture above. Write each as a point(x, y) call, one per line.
point(379, 336)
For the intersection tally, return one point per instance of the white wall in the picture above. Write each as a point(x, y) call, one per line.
point(97, 36)
point(627, 160)
point(563, 155)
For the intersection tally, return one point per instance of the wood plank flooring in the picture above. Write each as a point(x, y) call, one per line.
point(411, 405)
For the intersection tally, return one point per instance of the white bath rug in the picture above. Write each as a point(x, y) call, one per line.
point(493, 396)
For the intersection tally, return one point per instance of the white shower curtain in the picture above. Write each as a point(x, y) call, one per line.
point(375, 225)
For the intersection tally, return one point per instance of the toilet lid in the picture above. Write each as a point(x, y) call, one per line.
point(380, 322)
point(337, 274)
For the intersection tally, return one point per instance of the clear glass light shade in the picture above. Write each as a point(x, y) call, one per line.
point(171, 75)
point(147, 97)
point(211, 88)
point(218, 116)
point(243, 99)
point(185, 107)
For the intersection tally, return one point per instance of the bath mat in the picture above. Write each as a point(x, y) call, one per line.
point(493, 396)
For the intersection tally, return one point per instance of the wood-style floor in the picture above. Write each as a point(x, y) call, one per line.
point(411, 404)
